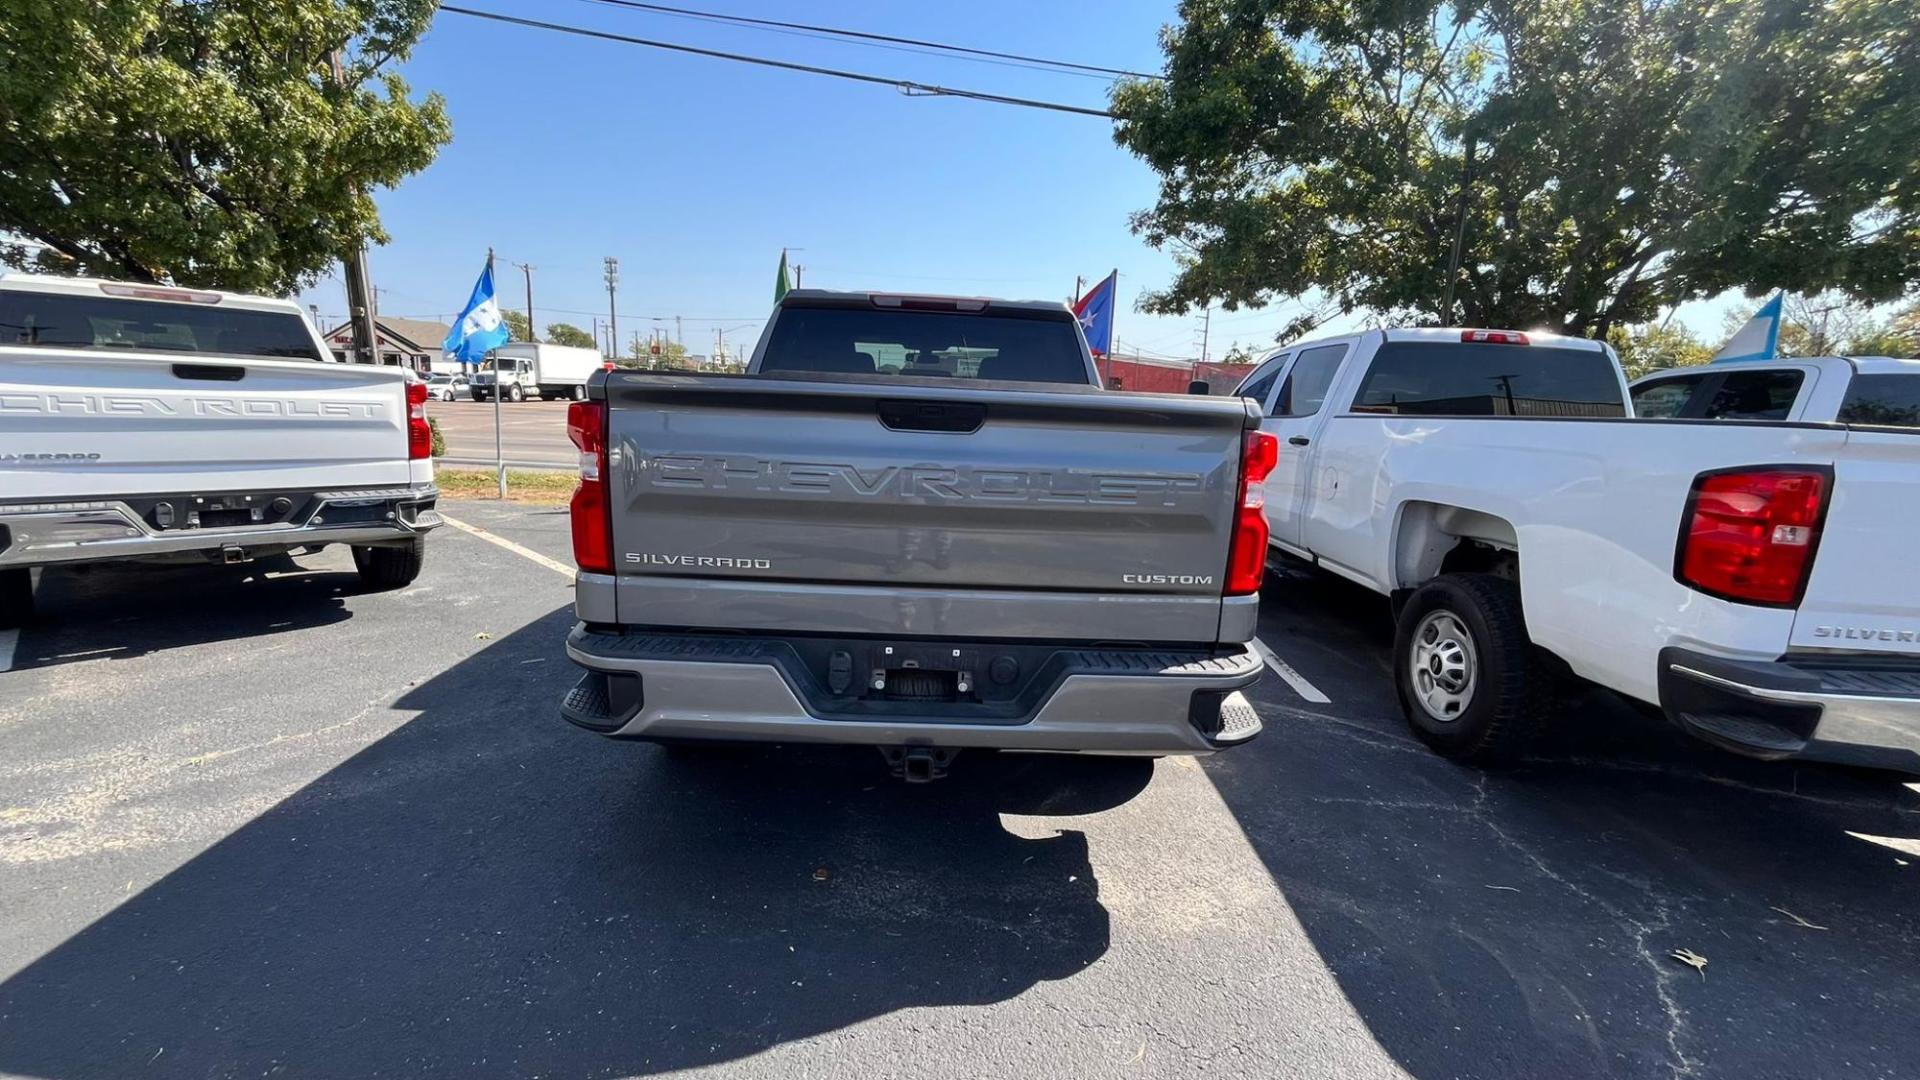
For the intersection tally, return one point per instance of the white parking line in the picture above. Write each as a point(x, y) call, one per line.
point(1294, 679)
point(8, 639)
point(554, 565)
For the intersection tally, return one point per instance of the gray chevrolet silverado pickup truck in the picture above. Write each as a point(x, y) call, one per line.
point(918, 524)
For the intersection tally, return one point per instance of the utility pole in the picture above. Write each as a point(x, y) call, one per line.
point(1079, 282)
point(637, 352)
point(797, 271)
point(678, 337)
point(353, 265)
point(613, 315)
point(1206, 334)
point(528, 269)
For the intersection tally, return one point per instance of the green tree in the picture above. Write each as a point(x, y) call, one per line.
point(672, 356)
point(1626, 156)
point(207, 142)
point(517, 325)
point(568, 334)
point(1650, 348)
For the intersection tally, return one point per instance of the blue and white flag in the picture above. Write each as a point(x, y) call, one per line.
point(480, 329)
point(1095, 312)
point(1759, 339)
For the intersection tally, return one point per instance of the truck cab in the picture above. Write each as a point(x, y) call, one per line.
point(1870, 390)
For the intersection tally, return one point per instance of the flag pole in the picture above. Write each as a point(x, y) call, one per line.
point(499, 452)
point(1113, 322)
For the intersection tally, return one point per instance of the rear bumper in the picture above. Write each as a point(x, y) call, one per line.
point(1850, 710)
point(1112, 701)
point(37, 534)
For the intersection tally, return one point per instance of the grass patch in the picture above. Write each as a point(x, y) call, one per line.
point(523, 485)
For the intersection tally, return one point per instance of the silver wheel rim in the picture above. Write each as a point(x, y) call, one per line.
point(1445, 667)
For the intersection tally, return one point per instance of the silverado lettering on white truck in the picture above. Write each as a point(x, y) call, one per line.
point(992, 552)
point(1753, 580)
point(142, 423)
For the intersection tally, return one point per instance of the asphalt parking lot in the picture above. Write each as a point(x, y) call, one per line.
point(255, 821)
point(533, 434)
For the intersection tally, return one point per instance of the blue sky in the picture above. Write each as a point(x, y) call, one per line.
point(695, 172)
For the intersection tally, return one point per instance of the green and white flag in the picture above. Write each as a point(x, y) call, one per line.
point(782, 284)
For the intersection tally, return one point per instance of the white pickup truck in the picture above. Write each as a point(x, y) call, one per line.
point(140, 422)
point(1823, 389)
point(1755, 581)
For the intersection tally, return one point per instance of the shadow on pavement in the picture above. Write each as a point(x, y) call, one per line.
point(1521, 923)
point(121, 611)
point(487, 892)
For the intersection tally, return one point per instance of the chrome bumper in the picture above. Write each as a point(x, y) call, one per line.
point(1851, 710)
point(692, 691)
point(36, 534)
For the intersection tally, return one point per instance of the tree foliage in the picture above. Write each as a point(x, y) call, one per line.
point(204, 142)
point(518, 328)
point(1627, 156)
point(568, 334)
point(1645, 349)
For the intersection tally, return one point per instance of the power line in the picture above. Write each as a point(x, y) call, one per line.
point(879, 39)
point(906, 86)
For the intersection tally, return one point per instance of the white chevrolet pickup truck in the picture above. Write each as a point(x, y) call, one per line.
point(1755, 581)
point(140, 422)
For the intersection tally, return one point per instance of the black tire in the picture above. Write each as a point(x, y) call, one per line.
point(16, 598)
point(390, 567)
point(515, 394)
point(1507, 692)
point(579, 393)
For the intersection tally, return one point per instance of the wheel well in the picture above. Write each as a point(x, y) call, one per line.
point(1435, 539)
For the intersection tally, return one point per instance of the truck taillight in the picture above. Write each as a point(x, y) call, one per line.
point(419, 432)
point(1247, 554)
point(1750, 534)
point(591, 510)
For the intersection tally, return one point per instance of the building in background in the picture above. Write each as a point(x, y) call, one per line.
point(409, 343)
point(1165, 375)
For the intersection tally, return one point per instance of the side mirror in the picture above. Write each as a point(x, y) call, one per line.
point(1199, 386)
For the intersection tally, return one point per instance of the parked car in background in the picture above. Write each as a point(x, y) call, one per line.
point(1755, 581)
point(527, 369)
point(916, 523)
point(143, 423)
point(446, 386)
point(1865, 390)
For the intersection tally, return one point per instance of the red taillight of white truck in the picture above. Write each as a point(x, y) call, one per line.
point(1247, 554)
point(1750, 534)
point(591, 510)
point(419, 432)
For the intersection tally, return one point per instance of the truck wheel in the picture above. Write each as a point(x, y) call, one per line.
point(514, 393)
point(579, 393)
point(390, 567)
point(16, 597)
point(1471, 683)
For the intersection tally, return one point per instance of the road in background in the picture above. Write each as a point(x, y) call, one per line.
point(534, 433)
point(256, 819)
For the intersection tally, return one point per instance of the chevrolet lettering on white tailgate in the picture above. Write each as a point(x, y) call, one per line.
point(1756, 581)
point(149, 423)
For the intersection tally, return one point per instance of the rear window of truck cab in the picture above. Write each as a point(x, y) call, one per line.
point(1446, 378)
point(903, 345)
point(66, 321)
point(1882, 401)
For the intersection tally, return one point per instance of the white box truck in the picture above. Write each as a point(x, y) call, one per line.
point(526, 368)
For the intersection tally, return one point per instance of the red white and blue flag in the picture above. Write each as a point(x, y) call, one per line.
point(1095, 312)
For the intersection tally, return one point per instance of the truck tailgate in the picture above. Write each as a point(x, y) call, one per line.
point(81, 424)
point(1864, 594)
point(828, 505)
